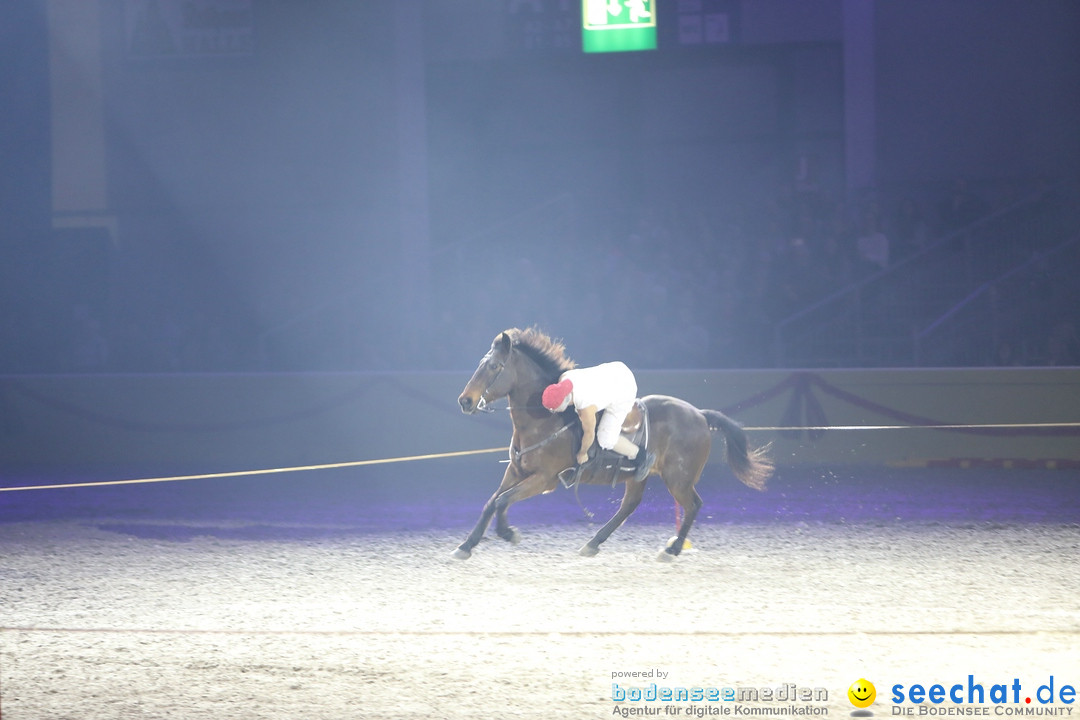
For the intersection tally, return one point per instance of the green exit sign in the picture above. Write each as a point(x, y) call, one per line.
point(618, 25)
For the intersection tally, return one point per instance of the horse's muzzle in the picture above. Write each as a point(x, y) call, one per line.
point(469, 407)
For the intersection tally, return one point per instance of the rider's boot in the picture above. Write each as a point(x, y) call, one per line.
point(639, 454)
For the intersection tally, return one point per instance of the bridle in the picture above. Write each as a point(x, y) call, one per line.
point(482, 406)
point(482, 403)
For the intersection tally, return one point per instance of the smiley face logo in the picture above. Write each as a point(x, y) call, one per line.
point(862, 693)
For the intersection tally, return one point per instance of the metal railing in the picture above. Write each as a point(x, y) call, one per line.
point(885, 317)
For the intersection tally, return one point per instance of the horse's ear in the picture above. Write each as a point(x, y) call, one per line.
point(502, 343)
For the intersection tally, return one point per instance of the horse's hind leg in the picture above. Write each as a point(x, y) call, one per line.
point(631, 499)
point(684, 494)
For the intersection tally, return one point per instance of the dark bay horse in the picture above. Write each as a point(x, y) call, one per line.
point(519, 365)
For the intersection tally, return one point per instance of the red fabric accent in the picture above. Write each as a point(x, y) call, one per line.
point(555, 394)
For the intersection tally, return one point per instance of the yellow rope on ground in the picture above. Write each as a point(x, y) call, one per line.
point(268, 471)
point(955, 426)
point(463, 453)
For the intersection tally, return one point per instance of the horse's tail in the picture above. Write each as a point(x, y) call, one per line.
point(752, 467)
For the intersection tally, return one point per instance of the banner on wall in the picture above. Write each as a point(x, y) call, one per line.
point(189, 28)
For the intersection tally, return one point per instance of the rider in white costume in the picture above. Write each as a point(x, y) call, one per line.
point(611, 388)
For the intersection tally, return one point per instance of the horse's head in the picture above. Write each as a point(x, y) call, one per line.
point(493, 378)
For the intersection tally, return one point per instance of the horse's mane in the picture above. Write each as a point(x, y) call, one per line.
point(548, 354)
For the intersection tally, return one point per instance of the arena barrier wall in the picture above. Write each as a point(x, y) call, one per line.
point(230, 422)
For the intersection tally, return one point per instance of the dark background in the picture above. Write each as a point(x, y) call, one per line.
point(385, 185)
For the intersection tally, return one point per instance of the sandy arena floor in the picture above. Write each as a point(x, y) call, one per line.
point(213, 610)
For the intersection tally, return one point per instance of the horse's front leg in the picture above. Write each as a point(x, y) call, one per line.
point(464, 550)
point(510, 479)
point(536, 484)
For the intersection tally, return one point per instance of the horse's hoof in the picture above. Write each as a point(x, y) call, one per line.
point(666, 556)
point(588, 550)
point(687, 545)
point(511, 535)
point(462, 554)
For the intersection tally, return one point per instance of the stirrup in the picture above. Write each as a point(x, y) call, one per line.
point(576, 471)
point(569, 476)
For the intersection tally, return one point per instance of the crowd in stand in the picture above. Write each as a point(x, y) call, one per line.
point(676, 287)
point(685, 288)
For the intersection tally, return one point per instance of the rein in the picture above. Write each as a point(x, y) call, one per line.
point(516, 455)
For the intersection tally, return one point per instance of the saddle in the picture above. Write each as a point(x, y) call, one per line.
point(635, 428)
